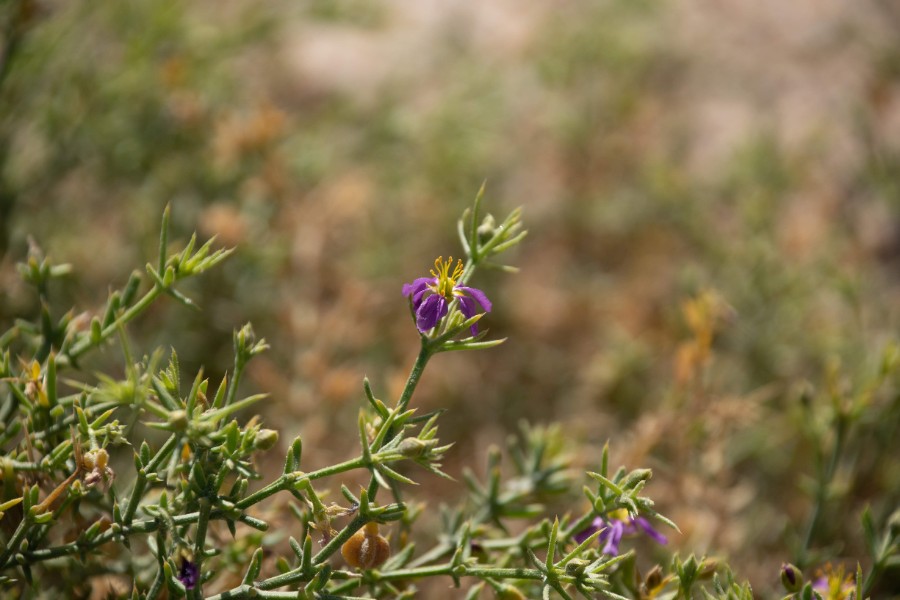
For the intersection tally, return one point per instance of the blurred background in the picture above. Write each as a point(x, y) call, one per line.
point(712, 191)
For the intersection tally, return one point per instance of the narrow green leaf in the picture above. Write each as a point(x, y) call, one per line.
point(219, 400)
point(395, 475)
point(606, 483)
point(551, 544)
point(164, 238)
point(52, 397)
point(216, 415)
point(254, 567)
point(195, 390)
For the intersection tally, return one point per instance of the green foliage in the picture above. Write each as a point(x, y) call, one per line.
point(712, 288)
point(61, 448)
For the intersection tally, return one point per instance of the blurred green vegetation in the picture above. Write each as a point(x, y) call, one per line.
point(706, 292)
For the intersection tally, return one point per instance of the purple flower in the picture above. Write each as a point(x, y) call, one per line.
point(188, 573)
point(431, 296)
point(833, 584)
point(613, 529)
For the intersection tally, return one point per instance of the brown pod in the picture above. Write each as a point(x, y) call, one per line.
point(366, 549)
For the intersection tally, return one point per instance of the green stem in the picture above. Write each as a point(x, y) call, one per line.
point(239, 364)
point(86, 343)
point(146, 526)
point(435, 553)
point(18, 465)
point(473, 571)
point(399, 574)
point(157, 585)
point(431, 571)
point(414, 375)
point(112, 535)
point(412, 381)
point(13, 546)
point(289, 479)
point(200, 543)
point(140, 483)
point(822, 489)
point(373, 486)
point(302, 574)
point(137, 492)
point(337, 541)
point(280, 484)
point(160, 578)
point(70, 419)
point(871, 578)
point(449, 570)
point(284, 579)
point(248, 591)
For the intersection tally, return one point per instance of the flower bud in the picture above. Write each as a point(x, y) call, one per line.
point(654, 578)
point(246, 337)
point(414, 447)
point(178, 420)
point(366, 549)
point(635, 477)
point(102, 458)
point(169, 277)
point(791, 578)
point(708, 568)
point(576, 567)
point(487, 229)
point(89, 461)
point(265, 439)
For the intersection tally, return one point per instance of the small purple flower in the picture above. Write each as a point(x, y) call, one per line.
point(619, 525)
point(833, 584)
point(431, 296)
point(188, 573)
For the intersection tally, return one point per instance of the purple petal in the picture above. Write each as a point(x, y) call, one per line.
point(417, 286)
point(590, 530)
point(188, 574)
point(649, 530)
point(604, 535)
point(478, 295)
point(468, 309)
point(430, 312)
point(615, 536)
point(417, 298)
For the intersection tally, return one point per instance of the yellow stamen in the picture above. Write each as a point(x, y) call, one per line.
point(446, 280)
point(619, 515)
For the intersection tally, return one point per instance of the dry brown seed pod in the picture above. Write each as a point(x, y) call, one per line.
point(366, 549)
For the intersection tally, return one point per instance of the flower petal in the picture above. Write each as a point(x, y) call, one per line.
point(430, 312)
point(468, 309)
point(616, 529)
point(411, 289)
point(188, 574)
point(478, 295)
point(417, 297)
point(590, 530)
point(649, 530)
